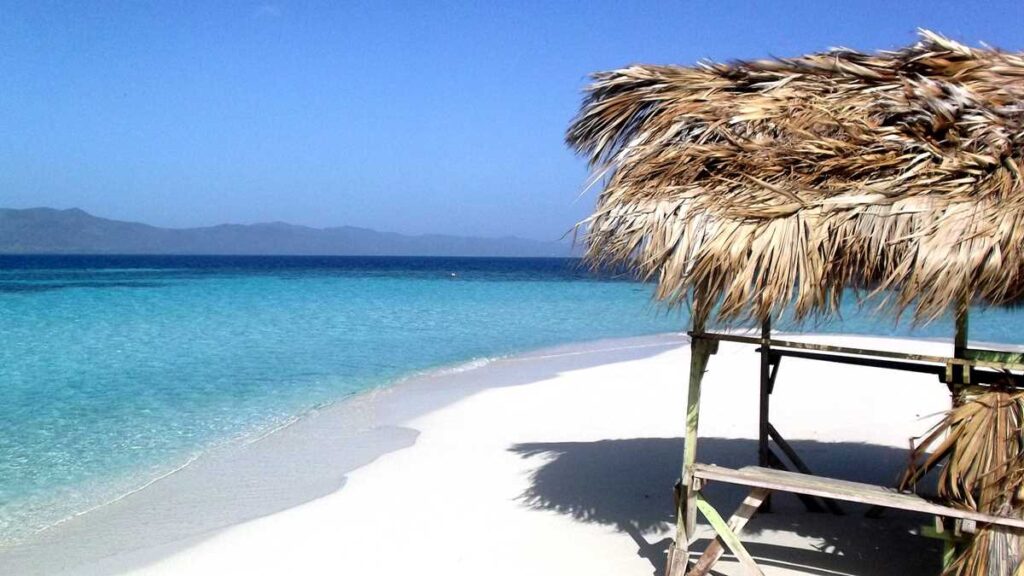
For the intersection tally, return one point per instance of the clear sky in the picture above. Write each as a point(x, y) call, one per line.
point(402, 116)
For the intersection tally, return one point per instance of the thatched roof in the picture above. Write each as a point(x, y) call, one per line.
point(777, 183)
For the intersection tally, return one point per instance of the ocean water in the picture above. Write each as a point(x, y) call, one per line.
point(116, 370)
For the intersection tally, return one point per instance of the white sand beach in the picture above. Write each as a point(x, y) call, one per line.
point(554, 462)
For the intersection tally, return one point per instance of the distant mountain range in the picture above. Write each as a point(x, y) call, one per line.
point(74, 231)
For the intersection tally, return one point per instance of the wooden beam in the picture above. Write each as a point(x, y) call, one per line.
point(863, 351)
point(962, 376)
point(739, 519)
point(977, 376)
point(765, 398)
point(822, 347)
point(809, 502)
point(1003, 356)
point(862, 361)
point(790, 453)
point(777, 480)
point(960, 339)
point(766, 351)
point(728, 537)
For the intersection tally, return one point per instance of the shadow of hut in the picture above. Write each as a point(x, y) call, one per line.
point(627, 484)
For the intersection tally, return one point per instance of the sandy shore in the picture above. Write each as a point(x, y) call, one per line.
point(555, 462)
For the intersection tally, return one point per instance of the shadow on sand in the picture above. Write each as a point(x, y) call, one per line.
point(627, 484)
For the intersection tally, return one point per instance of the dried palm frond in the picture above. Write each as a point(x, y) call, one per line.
point(776, 183)
point(981, 442)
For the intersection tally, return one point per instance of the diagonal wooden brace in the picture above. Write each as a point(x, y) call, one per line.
point(727, 533)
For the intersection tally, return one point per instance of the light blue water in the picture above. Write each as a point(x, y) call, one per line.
point(113, 376)
point(114, 371)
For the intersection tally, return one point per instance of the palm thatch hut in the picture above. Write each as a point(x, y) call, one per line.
point(750, 190)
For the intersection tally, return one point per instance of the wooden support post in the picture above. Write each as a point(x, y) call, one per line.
point(700, 350)
point(766, 367)
point(960, 341)
point(961, 374)
point(765, 394)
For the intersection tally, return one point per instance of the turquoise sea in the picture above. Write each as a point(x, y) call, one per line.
point(115, 370)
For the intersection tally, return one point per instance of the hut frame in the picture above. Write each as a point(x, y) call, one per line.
point(965, 367)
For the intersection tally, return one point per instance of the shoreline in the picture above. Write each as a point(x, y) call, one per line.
point(385, 387)
point(562, 454)
point(366, 422)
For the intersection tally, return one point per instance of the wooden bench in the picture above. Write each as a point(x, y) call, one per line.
point(763, 481)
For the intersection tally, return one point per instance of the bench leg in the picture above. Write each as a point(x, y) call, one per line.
point(727, 533)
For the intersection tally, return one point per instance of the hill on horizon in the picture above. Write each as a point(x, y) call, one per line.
point(75, 231)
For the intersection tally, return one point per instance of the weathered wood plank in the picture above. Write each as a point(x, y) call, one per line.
point(738, 520)
point(775, 344)
point(728, 537)
point(977, 376)
point(863, 361)
point(754, 476)
point(1003, 356)
point(821, 347)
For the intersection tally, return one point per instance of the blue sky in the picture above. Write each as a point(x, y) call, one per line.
point(403, 116)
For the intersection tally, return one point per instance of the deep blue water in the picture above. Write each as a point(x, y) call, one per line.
point(116, 369)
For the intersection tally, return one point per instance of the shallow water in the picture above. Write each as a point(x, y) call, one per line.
point(116, 370)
